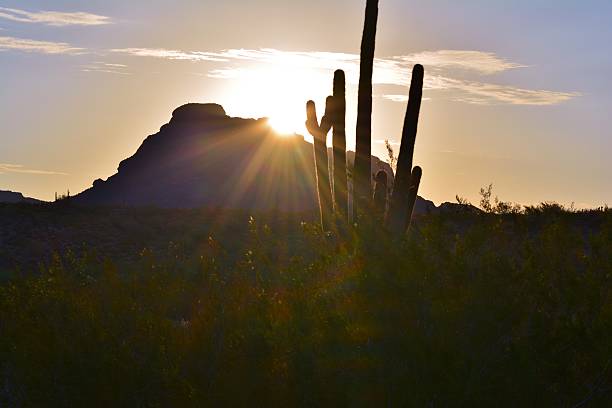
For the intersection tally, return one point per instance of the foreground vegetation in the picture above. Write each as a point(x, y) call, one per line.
point(470, 309)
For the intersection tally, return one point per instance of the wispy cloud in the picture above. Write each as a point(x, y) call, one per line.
point(486, 94)
point(18, 168)
point(480, 93)
point(396, 98)
point(44, 47)
point(387, 70)
point(171, 54)
point(400, 98)
point(395, 71)
point(383, 141)
point(106, 68)
point(54, 18)
point(479, 61)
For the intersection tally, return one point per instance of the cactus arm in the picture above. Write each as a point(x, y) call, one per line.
point(415, 182)
point(312, 122)
point(339, 146)
point(362, 182)
point(319, 134)
point(380, 195)
point(396, 218)
point(327, 119)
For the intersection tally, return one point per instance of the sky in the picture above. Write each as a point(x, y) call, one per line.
point(517, 93)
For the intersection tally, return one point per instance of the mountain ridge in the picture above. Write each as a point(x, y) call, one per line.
point(203, 157)
point(13, 197)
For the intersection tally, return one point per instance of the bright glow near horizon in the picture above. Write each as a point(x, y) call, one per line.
point(277, 91)
point(285, 123)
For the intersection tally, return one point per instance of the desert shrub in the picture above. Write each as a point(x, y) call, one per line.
point(469, 309)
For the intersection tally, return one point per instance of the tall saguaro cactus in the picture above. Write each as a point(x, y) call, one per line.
point(319, 133)
point(339, 146)
point(362, 179)
point(402, 199)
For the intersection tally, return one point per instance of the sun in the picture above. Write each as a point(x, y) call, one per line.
point(278, 91)
point(285, 123)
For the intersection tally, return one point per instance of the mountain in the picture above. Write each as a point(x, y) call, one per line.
point(458, 208)
point(204, 158)
point(13, 197)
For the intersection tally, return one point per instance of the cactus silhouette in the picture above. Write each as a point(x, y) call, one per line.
point(380, 194)
point(340, 187)
point(407, 180)
point(319, 133)
point(362, 181)
point(402, 200)
point(415, 182)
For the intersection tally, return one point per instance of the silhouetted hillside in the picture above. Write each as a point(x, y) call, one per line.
point(204, 158)
point(13, 197)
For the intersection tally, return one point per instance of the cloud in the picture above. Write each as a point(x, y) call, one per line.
point(106, 68)
point(388, 69)
point(396, 98)
point(44, 47)
point(479, 61)
point(171, 54)
point(487, 94)
point(383, 141)
point(54, 18)
point(17, 168)
point(479, 93)
point(395, 71)
point(113, 65)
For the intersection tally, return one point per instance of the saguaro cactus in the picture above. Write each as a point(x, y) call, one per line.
point(319, 133)
point(339, 146)
point(362, 182)
point(407, 180)
point(380, 194)
point(401, 206)
point(415, 182)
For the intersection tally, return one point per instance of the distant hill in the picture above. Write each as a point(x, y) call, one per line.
point(16, 198)
point(204, 158)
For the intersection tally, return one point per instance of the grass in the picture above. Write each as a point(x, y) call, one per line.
point(469, 310)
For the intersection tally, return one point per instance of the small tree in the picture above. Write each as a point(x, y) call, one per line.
point(485, 198)
point(462, 200)
point(497, 206)
point(392, 158)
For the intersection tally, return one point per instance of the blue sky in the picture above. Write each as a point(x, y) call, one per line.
point(516, 94)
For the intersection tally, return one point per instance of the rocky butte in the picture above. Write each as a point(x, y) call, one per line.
point(204, 158)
